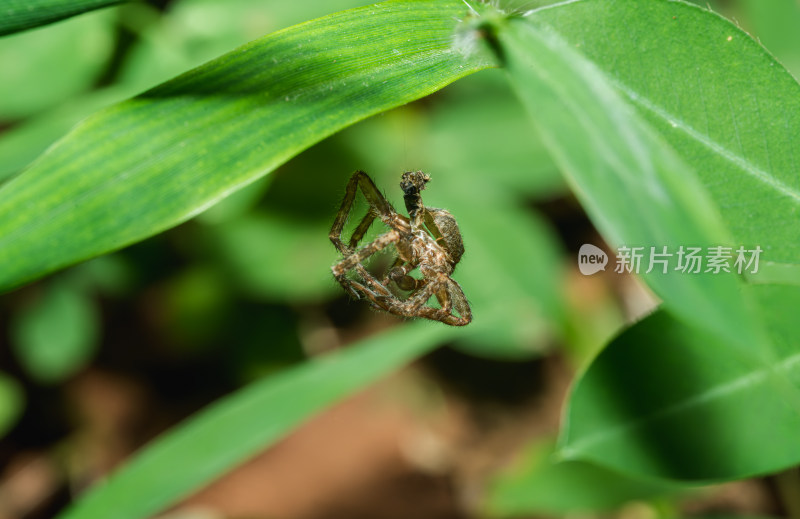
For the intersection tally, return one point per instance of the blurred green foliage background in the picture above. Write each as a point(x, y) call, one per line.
point(244, 289)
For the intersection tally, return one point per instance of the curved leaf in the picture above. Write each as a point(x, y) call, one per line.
point(639, 192)
point(668, 400)
point(144, 165)
point(19, 15)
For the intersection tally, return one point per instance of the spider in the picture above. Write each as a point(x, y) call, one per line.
point(428, 238)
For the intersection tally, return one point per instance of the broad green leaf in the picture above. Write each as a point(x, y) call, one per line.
point(638, 191)
point(18, 15)
point(668, 400)
point(12, 402)
point(537, 484)
point(55, 335)
point(722, 102)
point(147, 164)
point(239, 426)
point(75, 51)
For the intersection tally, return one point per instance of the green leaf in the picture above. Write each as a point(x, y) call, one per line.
point(150, 163)
point(668, 400)
point(538, 484)
point(244, 423)
point(18, 15)
point(56, 335)
point(637, 190)
point(719, 99)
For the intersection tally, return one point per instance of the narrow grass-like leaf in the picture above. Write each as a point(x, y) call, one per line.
point(18, 15)
point(241, 425)
point(668, 400)
point(144, 165)
point(636, 188)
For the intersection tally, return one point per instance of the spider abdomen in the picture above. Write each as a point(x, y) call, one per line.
point(450, 238)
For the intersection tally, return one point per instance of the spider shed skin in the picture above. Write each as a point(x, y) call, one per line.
point(428, 239)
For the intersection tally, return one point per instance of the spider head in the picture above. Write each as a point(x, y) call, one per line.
point(413, 182)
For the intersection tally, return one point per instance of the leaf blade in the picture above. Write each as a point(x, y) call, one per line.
point(636, 188)
point(144, 165)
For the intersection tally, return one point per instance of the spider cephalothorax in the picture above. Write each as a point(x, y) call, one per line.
point(428, 239)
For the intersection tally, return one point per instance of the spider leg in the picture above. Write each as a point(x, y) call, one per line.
point(353, 261)
point(445, 301)
point(449, 295)
point(376, 293)
point(379, 207)
point(362, 229)
point(426, 288)
point(356, 289)
point(456, 295)
point(377, 300)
